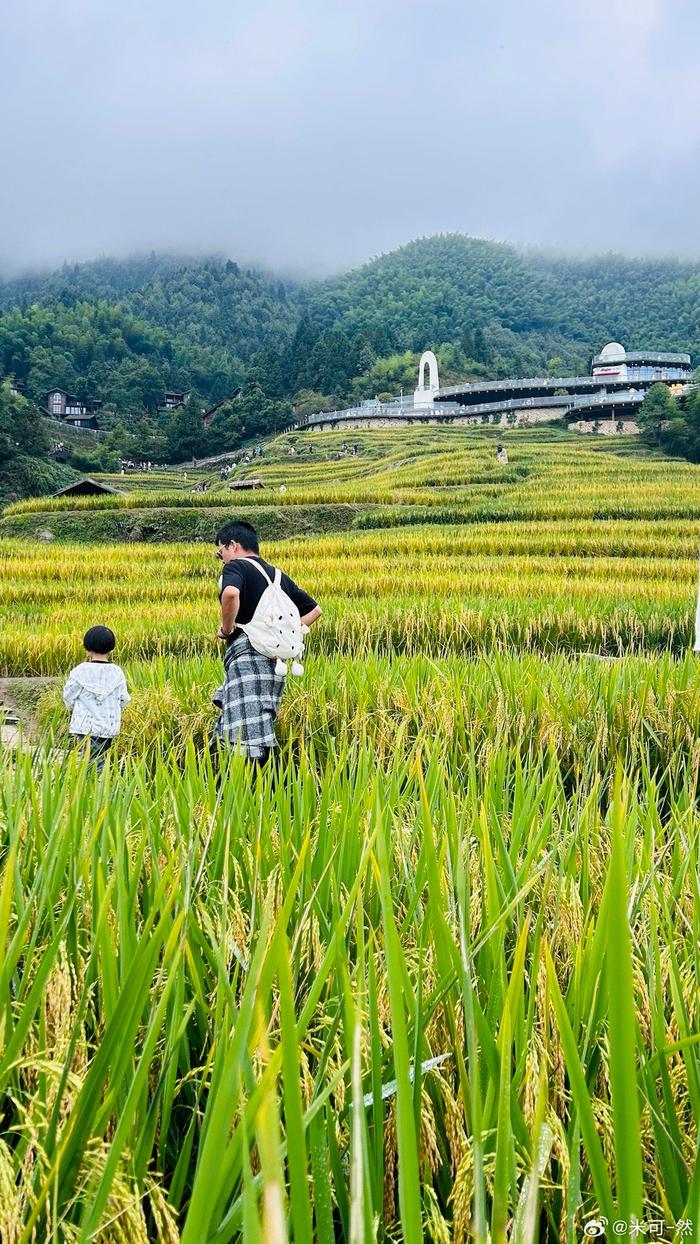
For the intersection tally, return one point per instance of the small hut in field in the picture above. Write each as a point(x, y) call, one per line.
point(88, 487)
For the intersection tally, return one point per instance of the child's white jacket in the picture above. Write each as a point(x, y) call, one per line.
point(96, 692)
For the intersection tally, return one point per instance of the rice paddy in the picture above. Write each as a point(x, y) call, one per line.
point(435, 979)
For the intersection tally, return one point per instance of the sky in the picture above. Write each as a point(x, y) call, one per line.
point(310, 135)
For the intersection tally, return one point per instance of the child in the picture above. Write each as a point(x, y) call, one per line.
point(96, 692)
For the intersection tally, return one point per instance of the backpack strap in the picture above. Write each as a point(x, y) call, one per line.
point(263, 572)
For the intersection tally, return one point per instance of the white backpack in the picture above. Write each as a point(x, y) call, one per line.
point(275, 629)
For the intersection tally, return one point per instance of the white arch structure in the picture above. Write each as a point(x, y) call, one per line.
point(424, 395)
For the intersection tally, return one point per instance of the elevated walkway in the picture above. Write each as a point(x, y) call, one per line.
point(520, 409)
point(532, 387)
point(615, 390)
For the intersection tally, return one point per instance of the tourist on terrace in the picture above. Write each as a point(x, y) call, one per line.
point(250, 696)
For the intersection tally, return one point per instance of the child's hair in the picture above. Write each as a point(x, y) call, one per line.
point(99, 639)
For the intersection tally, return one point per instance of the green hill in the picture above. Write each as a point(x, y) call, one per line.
point(527, 304)
point(127, 330)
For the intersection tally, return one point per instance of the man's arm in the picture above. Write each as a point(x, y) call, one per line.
point(312, 616)
point(309, 611)
point(230, 602)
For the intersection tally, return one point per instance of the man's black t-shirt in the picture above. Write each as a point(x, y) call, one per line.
point(251, 585)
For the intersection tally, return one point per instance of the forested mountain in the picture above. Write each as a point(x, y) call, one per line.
point(96, 331)
point(434, 289)
point(101, 278)
point(125, 331)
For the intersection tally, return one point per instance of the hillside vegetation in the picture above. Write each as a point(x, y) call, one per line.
point(126, 331)
point(25, 469)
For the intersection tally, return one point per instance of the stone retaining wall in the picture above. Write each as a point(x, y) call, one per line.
point(607, 427)
point(521, 419)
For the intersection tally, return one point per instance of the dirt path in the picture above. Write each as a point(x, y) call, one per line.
point(9, 734)
point(18, 698)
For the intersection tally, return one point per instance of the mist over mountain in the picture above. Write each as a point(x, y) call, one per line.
point(127, 330)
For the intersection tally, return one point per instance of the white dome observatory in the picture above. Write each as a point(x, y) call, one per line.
point(612, 361)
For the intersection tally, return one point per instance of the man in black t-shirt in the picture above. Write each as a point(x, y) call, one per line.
point(250, 696)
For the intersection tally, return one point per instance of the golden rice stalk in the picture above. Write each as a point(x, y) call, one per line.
point(163, 1216)
point(437, 1228)
point(390, 1165)
point(10, 1199)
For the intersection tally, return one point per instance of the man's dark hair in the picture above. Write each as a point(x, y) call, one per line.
point(99, 639)
point(239, 533)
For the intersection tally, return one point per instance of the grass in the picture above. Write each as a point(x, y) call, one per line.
point(437, 979)
point(174, 952)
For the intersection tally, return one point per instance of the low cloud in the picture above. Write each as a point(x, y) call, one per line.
point(310, 136)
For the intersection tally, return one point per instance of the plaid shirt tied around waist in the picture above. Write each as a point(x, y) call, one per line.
point(250, 698)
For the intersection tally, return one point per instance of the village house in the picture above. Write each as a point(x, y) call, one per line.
point(72, 409)
point(208, 415)
point(171, 401)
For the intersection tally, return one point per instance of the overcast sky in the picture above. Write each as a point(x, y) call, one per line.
point(313, 134)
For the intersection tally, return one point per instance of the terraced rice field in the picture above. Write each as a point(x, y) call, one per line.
point(550, 475)
point(438, 978)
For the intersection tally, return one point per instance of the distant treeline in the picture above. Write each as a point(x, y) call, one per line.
point(127, 331)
